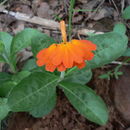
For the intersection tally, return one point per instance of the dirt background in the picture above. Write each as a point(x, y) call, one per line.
point(114, 92)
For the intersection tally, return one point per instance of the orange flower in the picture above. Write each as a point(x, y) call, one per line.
point(66, 54)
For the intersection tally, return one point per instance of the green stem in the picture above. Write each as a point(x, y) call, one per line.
point(72, 3)
point(62, 75)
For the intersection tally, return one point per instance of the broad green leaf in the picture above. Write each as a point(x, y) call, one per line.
point(33, 91)
point(110, 46)
point(86, 102)
point(4, 77)
point(5, 84)
point(20, 41)
point(45, 107)
point(40, 42)
point(6, 87)
point(8, 82)
point(127, 52)
point(2, 60)
point(82, 76)
point(1, 47)
point(23, 39)
point(4, 108)
point(30, 65)
point(20, 76)
point(6, 39)
point(120, 28)
point(126, 13)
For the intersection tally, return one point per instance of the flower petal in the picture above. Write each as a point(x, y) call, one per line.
point(88, 45)
point(75, 53)
point(41, 53)
point(61, 68)
point(88, 55)
point(50, 67)
point(58, 56)
point(40, 62)
point(81, 65)
point(67, 58)
point(45, 55)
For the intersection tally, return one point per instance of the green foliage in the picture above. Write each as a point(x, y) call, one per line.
point(126, 13)
point(23, 39)
point(6, 39)
point(127, 52)
point(20, 41)
point(110, 74)
point(29, 65)
point(5, 84)
point(20, 76)
point(6, 87)
point(45, 106)
point(79, 76)
point(120, 28)
point(110, 46)
point(40, 42)
point(38, 88)
point(5, 43)
point(9, 81)
point(1, 47)
point(4, 108)
point(86, 102)
point(2, 60)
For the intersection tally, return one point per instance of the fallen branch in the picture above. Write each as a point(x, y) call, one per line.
point(51, 24)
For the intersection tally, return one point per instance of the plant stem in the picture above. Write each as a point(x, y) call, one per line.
point(72, 3)
point(62, 75)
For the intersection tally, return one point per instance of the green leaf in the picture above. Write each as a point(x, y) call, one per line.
point(40, 42)
point(2, 60)
point(6, 87)
point(86, 102)
point(8, 82)
point(6, 39)
point(23, 39)
point(4, 108)
point(45, 107)
point(110, 46)
point(30, 65)
point(20, 76)
point(4, 77)
point(33, 91)
point(126, 13)
point(1, 47)
point(20, 41)
point(82, 76)
point(120, 28)
point(127, 52)
point(104, 76)
point(5, 84)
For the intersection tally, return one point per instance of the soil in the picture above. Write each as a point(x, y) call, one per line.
point(64, 116)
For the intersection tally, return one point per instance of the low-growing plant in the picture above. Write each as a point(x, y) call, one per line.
point(33, 88)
